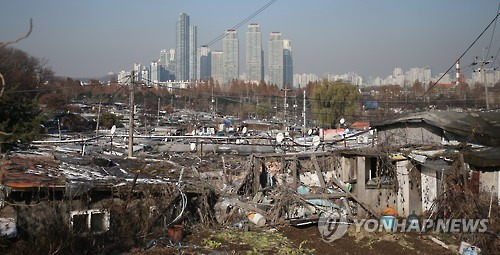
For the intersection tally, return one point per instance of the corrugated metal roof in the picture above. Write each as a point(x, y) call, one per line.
point(33, 170)
point(30, 170)
point(483, 127)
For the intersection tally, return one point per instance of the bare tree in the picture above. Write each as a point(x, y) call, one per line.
point(12, 42)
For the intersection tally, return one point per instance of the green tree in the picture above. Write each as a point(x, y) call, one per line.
point(108, 119)
point(20, 119)
point(334, 100)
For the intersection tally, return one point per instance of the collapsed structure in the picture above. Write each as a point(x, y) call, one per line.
point(409, 168)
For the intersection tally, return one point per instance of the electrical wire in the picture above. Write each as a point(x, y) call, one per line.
point(493, 33)
point(467, 50)
point(183, 198)
point(220, 37)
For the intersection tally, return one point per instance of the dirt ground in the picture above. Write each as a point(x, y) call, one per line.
point(382, 243)
point(292, 240)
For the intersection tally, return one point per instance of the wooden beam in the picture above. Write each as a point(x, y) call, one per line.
point(364, 205)
point(294, 171)
point(323, 196)
point(248, 207)
point(254, 167)
point(318, 171)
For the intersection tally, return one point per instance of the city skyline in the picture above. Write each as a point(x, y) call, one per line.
point(254, 55)
point(92, 38)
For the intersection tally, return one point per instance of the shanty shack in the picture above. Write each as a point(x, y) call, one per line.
point(74, 194)
point(434, 141)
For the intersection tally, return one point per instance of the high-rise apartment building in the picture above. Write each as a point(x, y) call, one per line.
point(155, 72)
point(182, 48)
point(254, 54)
point(276, 72)
point(163, 65)
point(217, 66)
point(171, 64)
point(230, 47)
point(287, 63)
point(145, 76)
point(137, 72)
point(204, 63)
point(193, 46)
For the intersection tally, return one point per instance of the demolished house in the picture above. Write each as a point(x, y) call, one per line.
point(409, 168)
point(50, 194)
point(432, 136)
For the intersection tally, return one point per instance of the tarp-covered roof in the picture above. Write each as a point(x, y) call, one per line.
point(485, 159)
point(483, 127)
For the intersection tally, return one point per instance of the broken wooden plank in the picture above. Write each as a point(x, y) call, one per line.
point(282, 170)
point(247, 207)
point(294, 170)
point(346, 206)
point(254, 167)
point(323, 196)
point(318, 171)
point(364, 205)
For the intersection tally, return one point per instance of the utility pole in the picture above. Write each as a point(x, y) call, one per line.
point(98, 117)
point(213, 101)
point(159, 98)
point(131, 118)
point(483, 71)
point(285, 104)
point(276, 107)
point(304, 115)
point(295, 110)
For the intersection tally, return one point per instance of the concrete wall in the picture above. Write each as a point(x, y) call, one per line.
point(487, 180)
point(378, 198)
point(348, 170)
point(409, 197)
point(429, 188)
point(409, 133)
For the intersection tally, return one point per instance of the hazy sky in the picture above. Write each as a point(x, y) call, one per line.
point(370, 37)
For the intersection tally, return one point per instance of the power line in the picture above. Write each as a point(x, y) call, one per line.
point(493, 33)
point(224, 34)
point(470, 46)
point(220, 37)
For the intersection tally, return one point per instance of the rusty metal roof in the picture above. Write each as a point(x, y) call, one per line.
point(36, 170)
point(29, 170)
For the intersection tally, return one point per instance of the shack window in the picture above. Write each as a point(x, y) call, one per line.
point(378, 174)
point(94, 221)
point(370, 169)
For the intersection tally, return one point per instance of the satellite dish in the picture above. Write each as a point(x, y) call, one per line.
point(309, 132)
point(280, 137)
point(113, 130)
point(192, 146)
point(287, 133)
point(316, 141)
point(342, 121)
point(194, 132)
point(244, 131)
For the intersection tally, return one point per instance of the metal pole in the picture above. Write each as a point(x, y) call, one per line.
point(159, 98)
point(304, 114)
point(59, 128)
point(98, 117)
point(131, 119)
point(213, 101)
point(483, 70)
point(285, 110)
